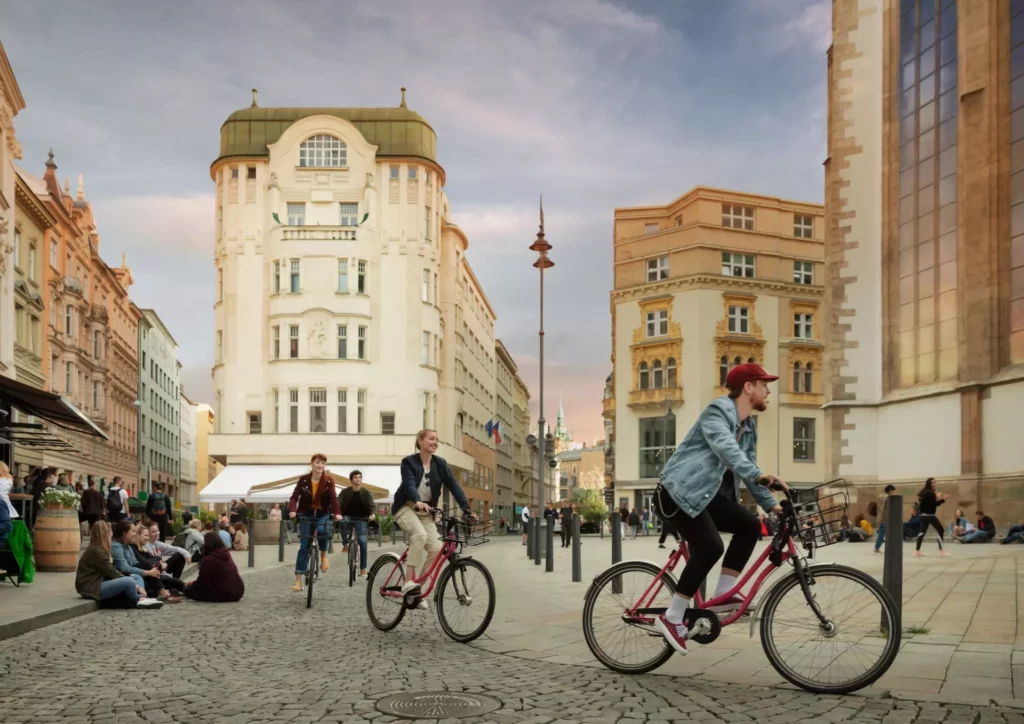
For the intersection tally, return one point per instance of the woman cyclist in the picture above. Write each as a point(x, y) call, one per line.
point(315, 499)
point(423, 474)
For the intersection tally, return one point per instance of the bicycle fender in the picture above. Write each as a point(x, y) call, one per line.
point(757, 608)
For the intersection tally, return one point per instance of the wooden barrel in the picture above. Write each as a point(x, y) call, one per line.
point(56, 539)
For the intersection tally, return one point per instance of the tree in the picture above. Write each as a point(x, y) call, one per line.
point(591, 505)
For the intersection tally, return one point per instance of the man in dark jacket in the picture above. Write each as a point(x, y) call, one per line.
point(158, 509)
point(985, 531)
point(356, 510)
point(565, 514)
point(92, 503)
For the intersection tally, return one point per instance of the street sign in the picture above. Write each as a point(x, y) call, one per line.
point(609, 496)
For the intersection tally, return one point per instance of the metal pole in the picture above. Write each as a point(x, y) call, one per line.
point(530, 535)
point(542, 453)
point(892, 575)
point(280, 542)
point(538, 532)
point(577, 563)
point(549, 564)
point(616, 550)
point(379, 541)
point(252, 540)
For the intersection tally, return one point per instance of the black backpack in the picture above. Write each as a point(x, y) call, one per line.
point(158, 503)
point(114, 504)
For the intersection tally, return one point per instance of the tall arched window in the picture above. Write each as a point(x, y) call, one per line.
point(751, 360)
point(737, 361)
point(670, 372)
point(723, 370)
point(323, 151)
point(645, 379)
point(797, 377)
point(809, 377)
point(658, 377)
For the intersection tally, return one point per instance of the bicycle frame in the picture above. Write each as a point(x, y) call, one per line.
point(448, 551)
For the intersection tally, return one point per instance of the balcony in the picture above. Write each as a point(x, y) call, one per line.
point(319, 233)
point(98, 312)
point(608, 407)
point(73, 284)
point(656, 397)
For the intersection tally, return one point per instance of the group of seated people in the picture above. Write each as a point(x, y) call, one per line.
point(963, 530)
point(126, 565)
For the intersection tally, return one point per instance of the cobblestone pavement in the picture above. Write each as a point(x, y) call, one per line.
point(268, 658)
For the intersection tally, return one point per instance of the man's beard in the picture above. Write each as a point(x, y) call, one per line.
point(761, 405)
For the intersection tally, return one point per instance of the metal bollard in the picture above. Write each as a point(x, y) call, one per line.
point(892, 573)
point(577, 563)
point(616, 550)
point(536, 542)
point(529, 539)
point(379, 541)
point(549, 564)
point(252, 542)
point(280, 543)
point(393, 526)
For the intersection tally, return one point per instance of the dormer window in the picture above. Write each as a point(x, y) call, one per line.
point(323, 151)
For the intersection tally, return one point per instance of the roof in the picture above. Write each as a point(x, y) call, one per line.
point(395, 131)
point(710, 192)
point(152, 317)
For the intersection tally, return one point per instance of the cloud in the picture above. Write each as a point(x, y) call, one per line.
point(171, 224)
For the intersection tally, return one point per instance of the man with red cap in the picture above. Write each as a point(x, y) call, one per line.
point(699, 494)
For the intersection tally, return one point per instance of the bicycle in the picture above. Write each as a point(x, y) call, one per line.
point(353, 544)
point(313, 559)
point(384, 583)
point(643, 649)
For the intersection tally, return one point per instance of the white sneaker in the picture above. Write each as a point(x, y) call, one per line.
point(423, 605)
point(409, 586)
point(149, 603)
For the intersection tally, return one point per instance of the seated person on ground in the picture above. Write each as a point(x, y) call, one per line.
point(173, 556)
point(239, 537)
point(123, 553)
point(96, 577)
point(148, 560)
point(985, 532)
point(219, 580)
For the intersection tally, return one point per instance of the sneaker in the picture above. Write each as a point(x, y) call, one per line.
point(344, 549)
point(728, 606)
point(149, 603)
point(423, 605)
point(661, 545)
point(674, 633)
point(362, 572)
point(878, 550)
point(410, 586)
point(918, 554)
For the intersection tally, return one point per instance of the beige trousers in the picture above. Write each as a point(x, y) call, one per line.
point(424, 541)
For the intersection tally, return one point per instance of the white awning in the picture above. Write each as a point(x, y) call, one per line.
point(235, 481)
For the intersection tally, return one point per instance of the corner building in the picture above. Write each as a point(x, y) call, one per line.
point(925, 249)
point(342, 295)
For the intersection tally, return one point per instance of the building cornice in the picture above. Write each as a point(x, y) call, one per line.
point(673, 285)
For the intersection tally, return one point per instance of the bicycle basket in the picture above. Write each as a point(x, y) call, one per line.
point(465, 533)
point(820, 511)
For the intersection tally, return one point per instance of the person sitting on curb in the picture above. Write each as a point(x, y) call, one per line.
point(96, 577)
point(1014, 535)
point(176, 558)
point(191, 539)
point(959, 525)
point(219, 580)
point(172, 584)
point(240, 537)
point(985, 532)
point(121, 550)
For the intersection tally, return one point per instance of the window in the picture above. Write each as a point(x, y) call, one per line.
point(426, 223)
point(250, 173)
point(293, 341)
point(737, 265)
point(657, 442)
point(277, 342)
point(650, 228)
point(234, 172)
point(809, 377)
point(739, 320)
point(679, 220)
point(670, 372)
point(32, 262)
point(657, 269)
point(361, 343)
point(220, 346)
point(360, 410)
point(96, 343)
point(657, 323)
point(297, 214)
point(318, 410)
point(412, 173)
point(644, 376)
point(361, 277)
point(67, 378)
point(293, 410)
point(393, 172)
point(803, 226)
point(255, 423)
point(322, 151)
point(277, 276)
point(426, 410)
point(342, 341)
point(387, 423)
point(294, 276)
point(277, 410)
point(798, 377)
point(349, 215)
point(68, 319)
point(738, 217)
point(802, 326)
point(803, 272)
point(803, 439)
point(95, 395)
point(458, 431)
point(53, 253)
point(425, 286)
point(425, 351)
point(342, 411)
point(723, 370)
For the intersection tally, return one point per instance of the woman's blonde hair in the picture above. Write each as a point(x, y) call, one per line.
point(5, 472)
point(100, 535)
point(422, 434)
point(196, 524)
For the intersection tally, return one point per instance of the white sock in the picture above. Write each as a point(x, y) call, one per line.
point(677, 609)
point(725, 584)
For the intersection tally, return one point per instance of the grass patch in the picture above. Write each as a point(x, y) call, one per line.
point(918, 630)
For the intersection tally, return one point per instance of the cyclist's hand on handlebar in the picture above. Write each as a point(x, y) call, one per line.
point(423, 507)
point(372, 517)
point(773, 483)
point(337, 517)
point(777, 509)
point(292, 514)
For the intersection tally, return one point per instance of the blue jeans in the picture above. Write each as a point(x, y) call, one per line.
point(1015, 534)
point(306, 534)
point(881, 536)
point(346, 534)
point(127, 585)
point(975, 536)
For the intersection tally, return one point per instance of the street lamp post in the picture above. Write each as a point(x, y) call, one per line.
point(542, 247)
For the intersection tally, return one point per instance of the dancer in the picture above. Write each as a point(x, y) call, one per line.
point(930, 500)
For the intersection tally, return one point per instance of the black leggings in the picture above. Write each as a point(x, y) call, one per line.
point(929, 520)
point(705, 543)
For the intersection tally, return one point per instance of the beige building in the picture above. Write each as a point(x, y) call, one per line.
point(581, 468)
point(711, 280)
point(524, 491)
point(11, 103)
point(206, 467)
point(925, 249)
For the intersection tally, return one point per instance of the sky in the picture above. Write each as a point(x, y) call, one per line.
point(595, 104)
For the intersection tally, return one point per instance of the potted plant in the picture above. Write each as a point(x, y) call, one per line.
point(53, 499)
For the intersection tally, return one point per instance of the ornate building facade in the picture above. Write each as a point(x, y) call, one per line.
point(714, 279)
point(925, 248)
point(11, 102)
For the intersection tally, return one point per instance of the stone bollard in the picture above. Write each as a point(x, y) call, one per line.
point(549, 564)
point(252, 541)
point(280, 543)
point(892, 573)
point(616, 550)
point(577, 563)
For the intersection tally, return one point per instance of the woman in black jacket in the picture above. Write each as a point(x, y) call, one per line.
point(930, 500)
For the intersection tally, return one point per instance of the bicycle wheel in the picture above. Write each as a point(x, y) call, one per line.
point(626, 642)
point(465, 600)
point(353, 545)
point(386, 576)
point(853, 648)
point(311, 562)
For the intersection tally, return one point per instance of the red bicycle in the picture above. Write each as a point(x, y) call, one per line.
point(829, 629)
point(464, 587)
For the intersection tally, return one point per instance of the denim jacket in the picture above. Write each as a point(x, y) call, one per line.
point(124, 558)
point(693, 475)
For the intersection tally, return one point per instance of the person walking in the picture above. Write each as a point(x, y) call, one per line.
point(92, 504)
point(634, 522)
point(525, 517)
point(930, 500)
point(623, 519)
point(883, 513)
point(117, 502)
point(565, 514)
point(158, 509)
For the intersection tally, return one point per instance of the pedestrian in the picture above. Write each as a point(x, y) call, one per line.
point(218, 581)
point(883, 512)
point(930, 500)
point(63, 484)
point(46, 478)
point(275, 513)
point(634, 522)
point(234, 512)
point(242, 510)
point(525, 516)
point(158, 509)
point(623, 518)
point(186, 517)
point(566, 516)
point(117, 502)
point(92, 505)
point(645, 518)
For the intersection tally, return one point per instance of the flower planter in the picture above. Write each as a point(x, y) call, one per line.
point(57, 539)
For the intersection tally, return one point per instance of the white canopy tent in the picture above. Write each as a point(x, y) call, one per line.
point(274, 483)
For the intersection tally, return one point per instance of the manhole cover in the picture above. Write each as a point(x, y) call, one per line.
point(437, 705)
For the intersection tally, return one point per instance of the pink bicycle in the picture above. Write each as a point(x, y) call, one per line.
point(464, 596)
point(829, 629)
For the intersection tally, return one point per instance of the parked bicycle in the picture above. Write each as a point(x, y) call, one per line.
point(464, 586)
point(827, 628)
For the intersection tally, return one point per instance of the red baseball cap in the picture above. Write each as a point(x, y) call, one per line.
point(750, 372)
